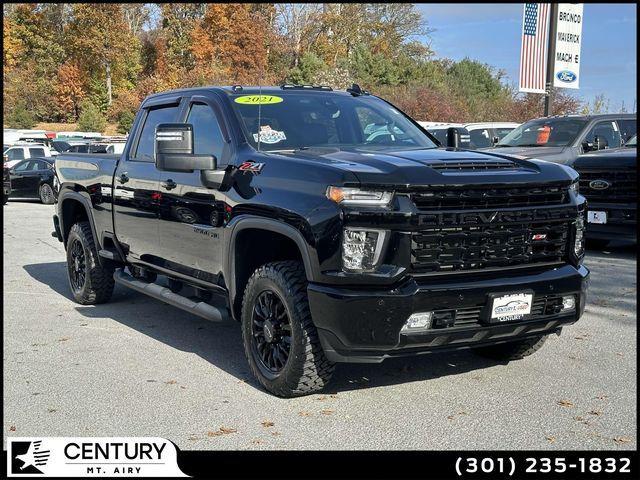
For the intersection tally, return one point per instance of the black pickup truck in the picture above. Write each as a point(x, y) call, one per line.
point(609, 181)
point(330, 225)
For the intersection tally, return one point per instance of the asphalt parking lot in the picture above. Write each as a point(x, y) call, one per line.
point(137, 367)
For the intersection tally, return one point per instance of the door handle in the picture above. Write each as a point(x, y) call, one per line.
point(169, 184)
point(123, 178)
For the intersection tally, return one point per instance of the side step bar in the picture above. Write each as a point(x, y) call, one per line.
point(159, 292)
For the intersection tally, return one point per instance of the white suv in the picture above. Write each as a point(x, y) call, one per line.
point(19, 151)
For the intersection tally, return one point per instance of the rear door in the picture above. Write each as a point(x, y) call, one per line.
point(136, 186)
point(192, 215)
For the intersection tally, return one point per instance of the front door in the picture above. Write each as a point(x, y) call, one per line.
point(192, 215)
point(136, 187)
point(25, 179)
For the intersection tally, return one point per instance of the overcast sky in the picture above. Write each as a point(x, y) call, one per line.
point(491, 34)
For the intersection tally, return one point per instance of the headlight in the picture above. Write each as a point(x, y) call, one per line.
point(578, 246)
point(361, 249)
point(356, 196)
point(575, 187)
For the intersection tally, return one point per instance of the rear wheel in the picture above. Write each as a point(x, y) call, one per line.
point(280, 340)
point(90, 282)
point(512, 350)
point(46, 194)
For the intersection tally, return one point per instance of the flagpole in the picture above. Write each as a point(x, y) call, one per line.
point(551, 53)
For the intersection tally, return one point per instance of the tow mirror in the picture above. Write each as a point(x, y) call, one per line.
point(453, 138)
point(174, 149)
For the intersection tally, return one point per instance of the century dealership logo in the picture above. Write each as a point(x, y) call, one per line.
point(87, 457)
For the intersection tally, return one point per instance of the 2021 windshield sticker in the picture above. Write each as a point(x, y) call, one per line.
point(258, 99)
point(268, 135)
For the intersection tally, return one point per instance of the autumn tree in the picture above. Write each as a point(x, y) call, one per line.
point(69, 90)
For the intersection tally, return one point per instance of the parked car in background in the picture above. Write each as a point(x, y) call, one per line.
point(6, 184)
point(562, 139)
point(33, 178)
point(14, 153)
point(608, 179)
point(471, 135)
point(79, 135)
point(487, 134)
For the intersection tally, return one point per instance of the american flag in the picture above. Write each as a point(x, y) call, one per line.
point(533, 54)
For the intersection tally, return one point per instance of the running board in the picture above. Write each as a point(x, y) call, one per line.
point(202, 309)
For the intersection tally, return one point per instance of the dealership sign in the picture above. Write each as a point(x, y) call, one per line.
point(566, 72)
point(92, 457)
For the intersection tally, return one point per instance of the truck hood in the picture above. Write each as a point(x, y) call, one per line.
point(609, 158)
point(437, 166)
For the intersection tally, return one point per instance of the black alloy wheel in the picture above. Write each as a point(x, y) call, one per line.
point(78, 266)
point(271, 333)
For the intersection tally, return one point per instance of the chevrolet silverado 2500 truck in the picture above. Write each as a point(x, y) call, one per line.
point(330, 225)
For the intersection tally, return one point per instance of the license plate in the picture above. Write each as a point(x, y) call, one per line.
point(594, 216)
point(509, 307)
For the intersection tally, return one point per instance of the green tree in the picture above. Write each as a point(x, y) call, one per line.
point(91, 119)
point(21, 117)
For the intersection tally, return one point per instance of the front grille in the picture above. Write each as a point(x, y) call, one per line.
point(481, 197)
point(543, 305)
point(472, 166)
point(622, 185)
point(460, 248)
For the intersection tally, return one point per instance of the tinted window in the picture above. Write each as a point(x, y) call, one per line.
point(15, 154)
point(607, 131)
point(146, 143)
point(321, 119)
point(207, 136)
point(544, 132)
point(36, 152)
point(23, 166)
point(480, 138)
point(628, 128)
point(41, 165)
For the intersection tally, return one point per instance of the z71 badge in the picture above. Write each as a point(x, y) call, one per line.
point(251, 167)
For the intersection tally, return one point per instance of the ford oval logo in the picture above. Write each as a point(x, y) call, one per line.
point(566, 76)
point(599, 184)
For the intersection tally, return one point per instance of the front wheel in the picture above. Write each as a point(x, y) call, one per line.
point(513, 350)
point(46, 194)
point(90, 282)
point(280, 340)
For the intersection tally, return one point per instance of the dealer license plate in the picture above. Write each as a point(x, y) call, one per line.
point(511, 307)
point(594, 216)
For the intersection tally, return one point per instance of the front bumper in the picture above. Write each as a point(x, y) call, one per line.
point(357, 325)
point(621, 222)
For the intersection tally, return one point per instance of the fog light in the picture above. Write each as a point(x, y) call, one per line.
point(361, 249)
point(418, 322)
point(568, 302)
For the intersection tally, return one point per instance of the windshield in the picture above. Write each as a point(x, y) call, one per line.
point(632, 142)
point(544, 132)
point(5, 148)
point(317, 119)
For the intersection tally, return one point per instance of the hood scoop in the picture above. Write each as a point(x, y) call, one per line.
point(473, 165)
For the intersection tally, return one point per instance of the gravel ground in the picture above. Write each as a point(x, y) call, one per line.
point(137, 367)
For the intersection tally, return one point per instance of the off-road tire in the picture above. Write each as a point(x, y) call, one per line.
point(307, 369)
point(512, 350)
point(98, 280)
point(46, 194)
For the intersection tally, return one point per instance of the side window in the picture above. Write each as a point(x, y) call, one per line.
point(480, 138)
point(15, 154)
point(608, 131)
point(146, 142)
point(36, 152)
point(23, 166)
point(628, 128)
point(207, 136)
